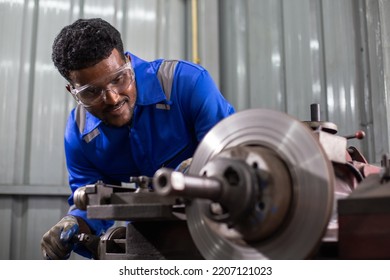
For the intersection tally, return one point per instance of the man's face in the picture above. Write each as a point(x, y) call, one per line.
point(114, 109)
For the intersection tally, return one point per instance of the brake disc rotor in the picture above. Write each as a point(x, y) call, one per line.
point(312, 187)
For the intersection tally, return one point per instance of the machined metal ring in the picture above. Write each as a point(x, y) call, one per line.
point(312, 187)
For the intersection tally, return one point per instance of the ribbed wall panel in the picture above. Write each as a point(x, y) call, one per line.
point(285, 55)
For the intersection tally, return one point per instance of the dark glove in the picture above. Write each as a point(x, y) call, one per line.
point(56, 243)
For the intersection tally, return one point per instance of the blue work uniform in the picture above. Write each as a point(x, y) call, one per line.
point(162, 132)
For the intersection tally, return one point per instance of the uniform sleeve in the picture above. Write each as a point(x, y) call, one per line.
point(207, 105)
point(81, 172)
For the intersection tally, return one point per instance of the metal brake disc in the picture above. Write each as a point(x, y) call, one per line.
point(312, 187)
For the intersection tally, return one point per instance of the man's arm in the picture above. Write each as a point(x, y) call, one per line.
point(58, 242)
point(206, 104)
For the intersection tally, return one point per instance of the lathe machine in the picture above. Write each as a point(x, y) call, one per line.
point(261, 185)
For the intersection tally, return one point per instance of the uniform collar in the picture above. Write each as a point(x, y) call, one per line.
point(149, 90)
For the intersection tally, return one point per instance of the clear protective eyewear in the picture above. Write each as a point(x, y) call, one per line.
point(89, 94)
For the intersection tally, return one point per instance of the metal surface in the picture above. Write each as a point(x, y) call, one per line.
point(316, 123)
point(364, 218)
point(249, 188)
point(110, 202)
point(148, 241)
point(312, 176)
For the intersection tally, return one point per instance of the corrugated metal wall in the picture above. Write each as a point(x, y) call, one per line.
point(277, 54)
point(285, 55)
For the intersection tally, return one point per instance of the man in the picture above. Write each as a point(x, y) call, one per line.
point(132, 117)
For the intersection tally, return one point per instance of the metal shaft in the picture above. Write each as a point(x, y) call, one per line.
point(315, 112)
point(169, 182)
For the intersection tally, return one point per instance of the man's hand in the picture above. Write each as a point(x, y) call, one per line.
point(56, 243)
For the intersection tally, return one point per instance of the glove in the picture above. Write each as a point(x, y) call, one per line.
point(184, 166)
point(56, 243)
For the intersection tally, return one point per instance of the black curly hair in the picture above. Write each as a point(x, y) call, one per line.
point(83, 44)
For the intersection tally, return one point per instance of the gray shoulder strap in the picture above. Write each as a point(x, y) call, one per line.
point(165, 76)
